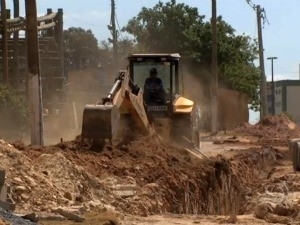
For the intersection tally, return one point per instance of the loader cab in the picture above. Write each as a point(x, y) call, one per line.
point(166, 65)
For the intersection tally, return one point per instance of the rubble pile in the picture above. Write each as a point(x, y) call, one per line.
point(271, 130)
point(142, 178)
point(46, 181)
point(146, 176)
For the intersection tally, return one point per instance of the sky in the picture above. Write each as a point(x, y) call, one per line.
point(280, 36)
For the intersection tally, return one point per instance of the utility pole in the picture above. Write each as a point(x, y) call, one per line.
point(263, 92)
point(214, 71)
point(34, 76)
point(114, 33)
point(4, 43)
point(273, 84)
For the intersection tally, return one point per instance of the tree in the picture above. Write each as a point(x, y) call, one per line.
point(236, 56)
point(13, 109)
point(167, 28)
point(81, 48)
point(173, 27)
point(125, 48)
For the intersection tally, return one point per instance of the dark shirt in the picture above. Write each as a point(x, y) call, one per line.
point(153, 83)
point(153, 90)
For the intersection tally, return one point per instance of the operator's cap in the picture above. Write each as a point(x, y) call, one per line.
point(153, 71)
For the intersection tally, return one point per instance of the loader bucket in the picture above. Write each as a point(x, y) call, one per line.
point(97, 122)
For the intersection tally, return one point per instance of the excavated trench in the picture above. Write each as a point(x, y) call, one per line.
point(165, 179)
point(170, 184)
point(219, 187)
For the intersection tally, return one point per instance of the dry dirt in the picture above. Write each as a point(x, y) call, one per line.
point(151, 182)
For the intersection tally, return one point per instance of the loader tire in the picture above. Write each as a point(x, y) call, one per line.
point(294, 148)
point(181, 127)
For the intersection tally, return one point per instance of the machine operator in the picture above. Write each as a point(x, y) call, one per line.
point(153, 88)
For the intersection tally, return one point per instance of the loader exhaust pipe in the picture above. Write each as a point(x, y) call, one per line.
point(114, 88)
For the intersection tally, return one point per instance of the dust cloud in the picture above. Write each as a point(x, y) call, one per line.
point(62, 110)
point(85, 86)
point(195, 90)
point(63, 121)
point(88, 86)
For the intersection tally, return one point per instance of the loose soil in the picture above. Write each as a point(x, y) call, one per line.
point(149, 181)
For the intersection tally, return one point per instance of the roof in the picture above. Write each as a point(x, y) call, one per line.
point(287, 83)
point(151, 55)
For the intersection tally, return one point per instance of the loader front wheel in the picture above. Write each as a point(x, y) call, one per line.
point(181, 128)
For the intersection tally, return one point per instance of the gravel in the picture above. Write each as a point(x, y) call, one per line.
point(12, 219)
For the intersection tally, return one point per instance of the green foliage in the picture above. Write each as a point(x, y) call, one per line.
point(173, 27)
point(81, 48)
point(167, 28)
point(13, 108)
point(125, 48)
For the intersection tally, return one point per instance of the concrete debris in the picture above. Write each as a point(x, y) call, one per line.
point(33, 217)
point(10, 218)
point(20, 189)
point(70, 214)
point(273, 218)
point(6, 202)
point(68, 195)
point(125, 190)
point(17, 180)
point(284, 209)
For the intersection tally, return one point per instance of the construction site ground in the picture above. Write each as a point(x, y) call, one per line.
point(248, 179)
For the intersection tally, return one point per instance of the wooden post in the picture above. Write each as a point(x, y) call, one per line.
point(49, 32)
point(15, 68)
point(59, 38)
point(4, 43)
point(34, 76)
point(214, 71)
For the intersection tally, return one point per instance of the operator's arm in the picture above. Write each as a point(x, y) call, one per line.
point(159, 83)
point(147, 84)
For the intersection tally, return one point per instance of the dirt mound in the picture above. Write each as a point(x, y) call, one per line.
point(42, 180)
point(279, 120)
point(271, 130)
point(145, 177)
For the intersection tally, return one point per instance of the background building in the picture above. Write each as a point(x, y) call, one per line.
point(287, 94)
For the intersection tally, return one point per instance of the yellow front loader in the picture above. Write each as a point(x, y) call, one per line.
point(132, 109)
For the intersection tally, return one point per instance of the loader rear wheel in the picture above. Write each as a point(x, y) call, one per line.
point(295, 150)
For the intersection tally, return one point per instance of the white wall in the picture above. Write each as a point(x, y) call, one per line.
point(292, 98)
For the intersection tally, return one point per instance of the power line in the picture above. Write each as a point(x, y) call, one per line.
point(262, 12)
point(119, 29)
point(83, 21)
point(252, 5)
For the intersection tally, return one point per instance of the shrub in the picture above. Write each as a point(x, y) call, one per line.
point(13, 109)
